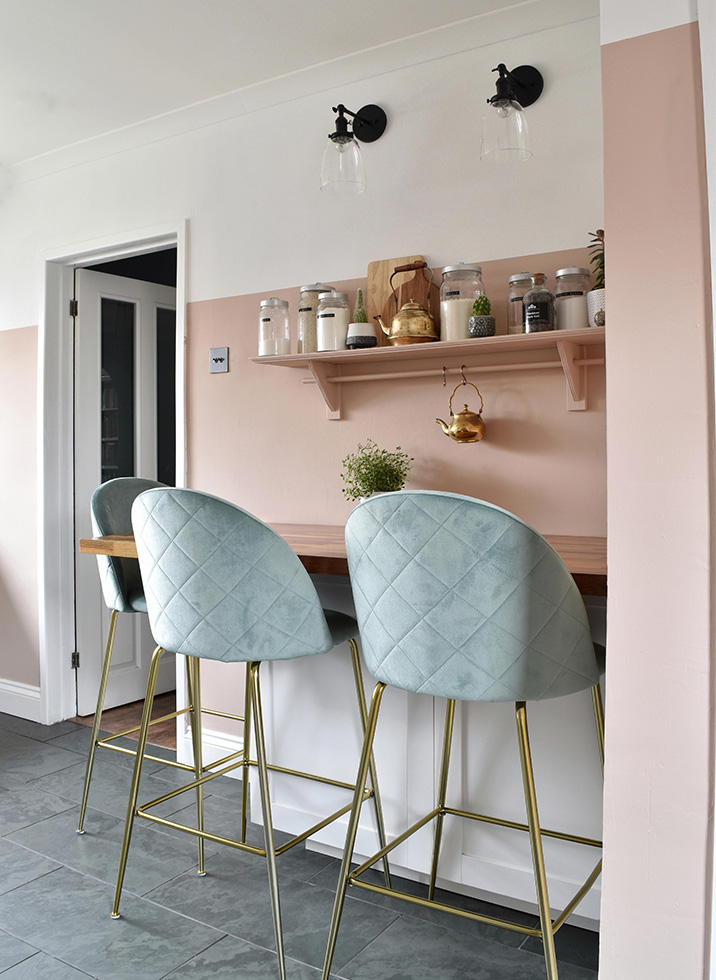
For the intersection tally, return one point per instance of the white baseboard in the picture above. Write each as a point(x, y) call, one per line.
point(21, 700)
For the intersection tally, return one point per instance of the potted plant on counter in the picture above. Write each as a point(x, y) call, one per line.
point(596, 297)
point(371, 469)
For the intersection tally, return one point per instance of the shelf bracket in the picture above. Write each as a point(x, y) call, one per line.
point(330, 391)
point(576, 375)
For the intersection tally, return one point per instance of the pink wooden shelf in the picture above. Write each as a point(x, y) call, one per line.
point(573, 351)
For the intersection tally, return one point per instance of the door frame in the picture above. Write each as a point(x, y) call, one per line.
point(56, 557)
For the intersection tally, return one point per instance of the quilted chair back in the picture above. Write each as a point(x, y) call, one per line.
point(221, 584)
point(458, 598)
point(111, 507)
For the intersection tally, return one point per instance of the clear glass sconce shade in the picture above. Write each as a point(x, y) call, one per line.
point(342, 170)
point(505, 136)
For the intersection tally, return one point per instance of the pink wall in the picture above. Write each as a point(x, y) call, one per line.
point(260, 437)
point(659, 431)
point(19, 648)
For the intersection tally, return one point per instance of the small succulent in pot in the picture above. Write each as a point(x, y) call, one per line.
point(372, 470)
point(596, 298)
point(361, 333)
point(481, 324)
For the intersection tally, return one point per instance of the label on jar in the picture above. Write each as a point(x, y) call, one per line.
point(539, 315)
point(572, 292)
point(515, 299)
point(322, 316)
point(305, 309)
point(266, 319)
point(452, 292)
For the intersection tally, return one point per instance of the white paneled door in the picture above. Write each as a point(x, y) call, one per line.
point(124, 426)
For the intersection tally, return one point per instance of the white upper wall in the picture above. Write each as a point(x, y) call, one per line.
point(622, 20)
point(244, 169)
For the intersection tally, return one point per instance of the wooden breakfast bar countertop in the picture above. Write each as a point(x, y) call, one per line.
point(322, 549)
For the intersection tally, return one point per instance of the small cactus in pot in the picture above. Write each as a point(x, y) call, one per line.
point(481, 324)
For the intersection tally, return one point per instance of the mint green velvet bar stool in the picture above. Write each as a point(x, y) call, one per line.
point(111, 508)
point(222, 585)
point(459, 599)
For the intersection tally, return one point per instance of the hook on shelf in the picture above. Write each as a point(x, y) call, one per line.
point(462, 375)
point(444, 382)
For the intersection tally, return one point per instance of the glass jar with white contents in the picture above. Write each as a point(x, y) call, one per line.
point(570, 298)
point(461, 286)
point(274, 329)
point(307, 323)
point(333, 317)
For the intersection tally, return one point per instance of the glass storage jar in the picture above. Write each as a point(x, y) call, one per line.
point(461, 285)
point(570, 298)
point(307, 309)
point(274, 330)
point(333, 317)
point(518, 284)
point(539, 306)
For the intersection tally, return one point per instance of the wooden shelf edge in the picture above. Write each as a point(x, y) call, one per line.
point(567, 346)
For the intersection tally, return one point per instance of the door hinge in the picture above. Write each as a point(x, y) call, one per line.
point(73, 307)
point(75, 659)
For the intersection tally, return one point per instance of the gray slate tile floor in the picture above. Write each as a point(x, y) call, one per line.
point(56, 890)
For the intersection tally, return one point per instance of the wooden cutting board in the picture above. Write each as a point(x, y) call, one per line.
point(379, 296)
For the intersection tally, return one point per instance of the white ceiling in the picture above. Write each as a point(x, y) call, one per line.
point(74, 69)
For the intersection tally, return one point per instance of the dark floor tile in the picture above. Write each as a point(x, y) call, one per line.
point(13, 951)
point(573, 945)
point(44, 967)
point(223, 817)
point(18, 866)
point(109, 788)
point(26, 758)
point(33, 730)
point(153, 857)
point(235, 898)
point(22, 804)
point(410, 949)
point(67, 918)
point(232, 958)
point(457, 924)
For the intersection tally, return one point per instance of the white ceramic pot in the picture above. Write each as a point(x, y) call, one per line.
point(596, 303)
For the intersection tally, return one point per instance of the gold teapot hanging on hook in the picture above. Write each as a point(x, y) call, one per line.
point(465, 426)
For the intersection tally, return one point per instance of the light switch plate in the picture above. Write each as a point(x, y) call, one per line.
point(218, 360)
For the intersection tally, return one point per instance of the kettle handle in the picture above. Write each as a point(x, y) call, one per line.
point(412, 267)
point(461, 385)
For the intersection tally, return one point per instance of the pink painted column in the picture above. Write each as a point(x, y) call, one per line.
point(655, 910)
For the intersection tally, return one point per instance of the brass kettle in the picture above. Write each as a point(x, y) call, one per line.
point(412, 323)
point(465, 426)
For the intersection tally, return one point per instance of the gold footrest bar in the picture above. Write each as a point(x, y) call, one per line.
point(463, 913)
point(394, 843)
point(104, 743)
point(565, 914)
point(514, 825)
point(239, 845)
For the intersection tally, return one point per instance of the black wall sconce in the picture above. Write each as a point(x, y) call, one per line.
point(342, 170)
point(505, 135)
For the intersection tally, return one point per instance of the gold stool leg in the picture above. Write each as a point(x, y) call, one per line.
point(536, 841)
point(98, 716)
point(247, 747)
point(377, 805)
point(442, 792)
point(194, 688)
point(266, 811)
point(361, 777)
point(599, 719)
point(136, 776)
